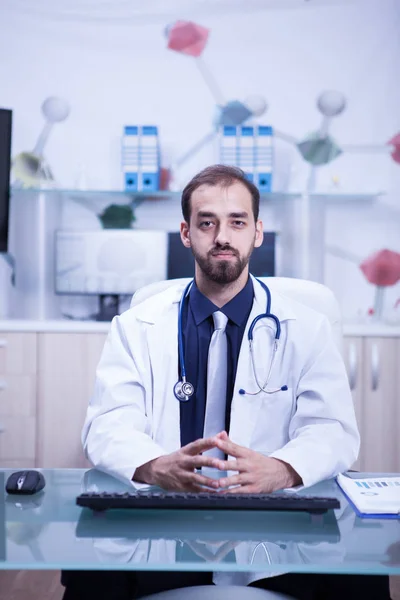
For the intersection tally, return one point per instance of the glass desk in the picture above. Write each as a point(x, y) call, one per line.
point(48, 531)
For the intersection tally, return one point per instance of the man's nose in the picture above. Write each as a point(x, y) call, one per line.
point(223, 235)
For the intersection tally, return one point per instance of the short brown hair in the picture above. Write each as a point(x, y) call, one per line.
point(218, 175)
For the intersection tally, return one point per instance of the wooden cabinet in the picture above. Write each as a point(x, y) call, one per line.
point(66, 373)
point(18, 363)
point(373, 365)
point(46, 380)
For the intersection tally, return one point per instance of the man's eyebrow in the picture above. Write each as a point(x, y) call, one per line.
point(205, 213)
point(239, 215)
point(233, 215)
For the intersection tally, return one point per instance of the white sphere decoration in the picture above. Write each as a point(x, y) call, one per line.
point(331, 103)
point(256, 104)
point(55, 109)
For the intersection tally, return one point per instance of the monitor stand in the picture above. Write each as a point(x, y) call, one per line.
point(108, 307)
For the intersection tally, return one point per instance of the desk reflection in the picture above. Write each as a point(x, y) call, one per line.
point(211, 537)
point(50, 529)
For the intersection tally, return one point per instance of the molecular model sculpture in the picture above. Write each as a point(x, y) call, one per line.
point(318, 148)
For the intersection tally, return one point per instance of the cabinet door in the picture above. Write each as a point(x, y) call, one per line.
point(353, 355)
point(381, 413)
point(18, 353)
point(66, 372)
point(17, 399)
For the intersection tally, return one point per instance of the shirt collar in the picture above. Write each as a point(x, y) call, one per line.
point(237, 309)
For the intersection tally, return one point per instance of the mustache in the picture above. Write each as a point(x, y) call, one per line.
point(225, 248)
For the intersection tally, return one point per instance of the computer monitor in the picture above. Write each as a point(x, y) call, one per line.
point(181, 261)
point(109, 263)
point(5, 165)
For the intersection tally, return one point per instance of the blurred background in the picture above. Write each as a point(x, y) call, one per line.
point(108, 108)
point(322, 75)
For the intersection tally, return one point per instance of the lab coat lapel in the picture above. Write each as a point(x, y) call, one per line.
point(245, 408)
point(163, 350)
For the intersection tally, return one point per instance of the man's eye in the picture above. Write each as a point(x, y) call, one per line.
point(239, 223)
point(205, 224)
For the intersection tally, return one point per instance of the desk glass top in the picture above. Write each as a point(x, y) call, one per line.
point(48, 531)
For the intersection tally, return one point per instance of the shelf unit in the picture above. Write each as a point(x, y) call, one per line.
point(299, 220)
point(93, 196)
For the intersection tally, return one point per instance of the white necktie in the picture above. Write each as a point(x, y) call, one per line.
point(216, 382)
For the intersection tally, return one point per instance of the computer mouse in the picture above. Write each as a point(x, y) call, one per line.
point(25, 482)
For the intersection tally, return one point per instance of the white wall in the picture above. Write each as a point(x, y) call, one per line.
point(119, 72)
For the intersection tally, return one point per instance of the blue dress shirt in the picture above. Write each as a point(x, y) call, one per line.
point(197, 328)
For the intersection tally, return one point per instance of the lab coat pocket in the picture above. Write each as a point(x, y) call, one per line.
point(272, 424)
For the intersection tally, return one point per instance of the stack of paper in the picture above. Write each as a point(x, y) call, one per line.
point(373, 496)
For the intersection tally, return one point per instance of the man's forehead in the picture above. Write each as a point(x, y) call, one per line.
point(236, 193)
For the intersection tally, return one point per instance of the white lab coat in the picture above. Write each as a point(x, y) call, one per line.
point(134, 417)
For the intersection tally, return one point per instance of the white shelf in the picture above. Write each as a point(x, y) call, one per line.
point(371, 330)
point(128, 196)
point(53, 326)
point(346, 198)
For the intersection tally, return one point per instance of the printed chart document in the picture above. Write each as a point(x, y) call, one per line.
point(373, 496)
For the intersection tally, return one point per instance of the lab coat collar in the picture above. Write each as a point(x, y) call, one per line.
point(151, 310)
point(281, 306)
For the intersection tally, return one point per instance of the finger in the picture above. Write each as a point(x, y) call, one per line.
point(232, 465)
point(222, 435)
point(197, 462)
point(198, 479)
point(199, 446)
point(242, 489)
point(231, 448)
point(191, 482)
point(240, 479)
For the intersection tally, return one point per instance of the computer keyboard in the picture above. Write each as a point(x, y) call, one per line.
point(207, 501)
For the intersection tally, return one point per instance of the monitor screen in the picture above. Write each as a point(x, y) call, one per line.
point(181, 261)
point(109, 261)
point(5, 165)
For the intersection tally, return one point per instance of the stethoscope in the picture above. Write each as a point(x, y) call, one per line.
point(184, 390)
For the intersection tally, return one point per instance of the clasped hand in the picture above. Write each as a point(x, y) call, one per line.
point(255, 473)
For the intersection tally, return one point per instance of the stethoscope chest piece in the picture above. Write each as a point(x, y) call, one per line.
point(183, 390)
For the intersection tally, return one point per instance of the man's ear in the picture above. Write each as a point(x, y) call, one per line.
point(185, 234)
point(259, 234)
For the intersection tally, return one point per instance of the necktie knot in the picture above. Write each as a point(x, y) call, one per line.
point(220, 320)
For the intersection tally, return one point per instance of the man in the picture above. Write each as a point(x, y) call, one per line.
point(302, 432)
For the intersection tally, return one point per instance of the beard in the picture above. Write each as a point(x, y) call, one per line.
point(222, 271)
